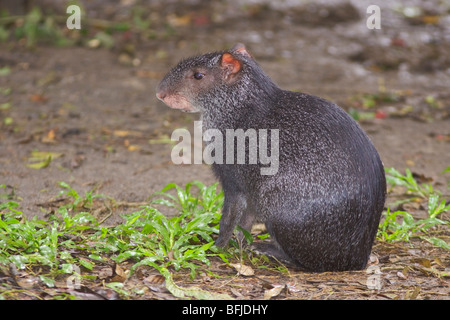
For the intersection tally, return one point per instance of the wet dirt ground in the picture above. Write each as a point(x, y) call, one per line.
point(96, 107)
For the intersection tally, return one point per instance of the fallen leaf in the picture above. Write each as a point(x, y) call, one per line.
point(155, 279)
point(40, 160)
point(8, 120)
point(86, 293)
point(49, 78)
point(374, 259)
point(379, 114)
point(28, 282)
point(39, 155)
point(201, 20)
point(237, 293)
point(193, 292)
point(4, 71)
point(399, 42)
point(149, 74)
point(121, 133)
point(177, 21)
point(5, 106)
point(129, 146)
point(243, 269)
point(442, 137)
point(163, 139)
point(439, 262)
point(410, 163)
point(40, 165)
point(118, 274)
point(50, 137)
point(274, 292)
point(126, 133)
point(38, 98)
point(412, 294)
point(133, 147)
point(422, 261)
point(156, 283)
point(431, 19)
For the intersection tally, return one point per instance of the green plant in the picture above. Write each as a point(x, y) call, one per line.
point(36, 27)
point(207, 199)
point(447, 170)
point(413, 189)
point(360, 115)
point(78, 200)
point(370, 100)
point(137, 17)
point(391, 229)
point(401, 225)
point(25, 241)
point(182, 239)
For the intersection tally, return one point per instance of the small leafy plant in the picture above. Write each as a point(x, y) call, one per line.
point(25, 242)
point(401, 225)
point(36, 27)
point(413, 189)
point(177, 241)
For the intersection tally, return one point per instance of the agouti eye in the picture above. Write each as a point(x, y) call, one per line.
point(198, 75)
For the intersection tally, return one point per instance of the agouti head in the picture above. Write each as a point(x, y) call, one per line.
point(219, 77)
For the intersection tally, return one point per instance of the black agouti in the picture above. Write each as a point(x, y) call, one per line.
point(323, 205)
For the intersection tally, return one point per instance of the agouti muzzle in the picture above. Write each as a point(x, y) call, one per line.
point(323, 205)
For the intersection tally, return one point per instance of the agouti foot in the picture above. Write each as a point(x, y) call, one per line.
point(271, 250)
point(221, 242)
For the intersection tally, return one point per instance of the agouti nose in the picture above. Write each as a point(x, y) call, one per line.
point(161, 95)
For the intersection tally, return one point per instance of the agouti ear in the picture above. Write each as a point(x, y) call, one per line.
point(239, 47)
point(230, 64)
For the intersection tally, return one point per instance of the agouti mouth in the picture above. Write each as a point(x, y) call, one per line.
point(176, 101)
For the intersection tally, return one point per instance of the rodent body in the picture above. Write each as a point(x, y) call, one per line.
point(323, 205)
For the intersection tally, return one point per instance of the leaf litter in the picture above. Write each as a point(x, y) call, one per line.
point(400, 279)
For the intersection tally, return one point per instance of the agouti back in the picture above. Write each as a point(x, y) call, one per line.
point(323, 205)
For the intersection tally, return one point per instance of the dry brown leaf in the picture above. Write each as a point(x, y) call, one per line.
point(149, 74)
point(373, 259)
point(179, 21)
point(155, 279)
point(156, 283)
point(274, 292)
point(121, 133)
point(38, 98)
point(412, 294)
point(439, 262)
point(422, 261)
point(119, 275)
point(237, 293)
point(431, 19)
point(243, 269)
point(50, 137)
point(134, 147)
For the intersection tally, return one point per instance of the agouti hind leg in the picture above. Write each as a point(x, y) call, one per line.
point(272, 250)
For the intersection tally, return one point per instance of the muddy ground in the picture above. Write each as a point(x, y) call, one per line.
point(96, 106)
